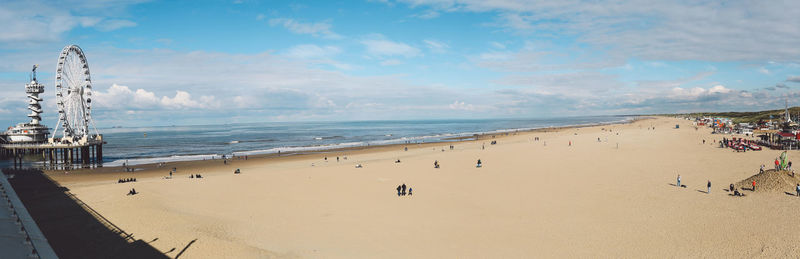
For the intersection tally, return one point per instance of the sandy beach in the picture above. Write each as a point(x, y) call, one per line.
point(609, 198)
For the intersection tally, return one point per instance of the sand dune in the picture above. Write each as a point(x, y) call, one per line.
point(529, 199)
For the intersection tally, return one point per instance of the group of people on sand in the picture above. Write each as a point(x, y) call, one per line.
point(731, 188)
point(126, 180)
point(401, 190)
point(195, 176)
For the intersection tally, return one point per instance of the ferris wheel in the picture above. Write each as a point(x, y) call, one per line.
point(73, 94)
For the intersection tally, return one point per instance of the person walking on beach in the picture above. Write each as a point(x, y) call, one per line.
point(403, 187)
point(761, 171)
point(679, 180)
point(708, 190)
point(398, 190)
point(777, 165)
point(754, 185)
point(797, 189)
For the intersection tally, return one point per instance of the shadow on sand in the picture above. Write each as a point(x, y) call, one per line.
point(72, 228)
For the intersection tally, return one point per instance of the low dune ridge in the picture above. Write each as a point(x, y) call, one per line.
point(771, 181)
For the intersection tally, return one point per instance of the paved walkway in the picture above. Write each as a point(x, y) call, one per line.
point(19, 235)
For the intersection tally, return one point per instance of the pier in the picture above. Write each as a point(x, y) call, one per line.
point(56, 154)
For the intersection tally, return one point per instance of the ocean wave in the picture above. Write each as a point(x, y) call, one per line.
point(431, 137)
point(153, 160)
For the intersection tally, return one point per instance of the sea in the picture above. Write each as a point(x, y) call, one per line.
point(145, 145)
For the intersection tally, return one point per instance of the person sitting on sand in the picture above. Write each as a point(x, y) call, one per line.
point(436, 164)
point(398, 161)
point(191, 176)
point(410, 191)
point(737, 193)
point(237, 171)
point(479, 163)
point(359, 166)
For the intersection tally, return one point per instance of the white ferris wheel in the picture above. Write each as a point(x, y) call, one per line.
point(74, 95)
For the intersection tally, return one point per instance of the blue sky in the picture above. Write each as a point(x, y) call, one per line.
point(208, 62)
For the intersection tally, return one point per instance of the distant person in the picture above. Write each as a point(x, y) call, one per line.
point(398, 190)
point(679, 180)
point(708, 190)
point(403, 189)
point(754, 185)
point(436, 164)
point(410, 191)
point(761, 171)
point(570, 143)
point(777, 165)
point(797, 189)
point(730, 189)
point(479, 163)
point(704, 141)
point(398, 161)
point(337, 159)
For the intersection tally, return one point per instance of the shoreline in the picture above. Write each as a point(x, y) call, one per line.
point(147, 168)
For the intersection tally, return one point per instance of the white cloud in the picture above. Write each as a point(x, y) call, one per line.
point(310, 51)
point(497, 45)
point(320, 29)
point(119, 97)
point(662, 30)
point(428, 14)
point(391, 62)
point(36, 21)
point(795, 79)
point(436, 46)
point(378, 46)
point(113, 24)
point(461, 106)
